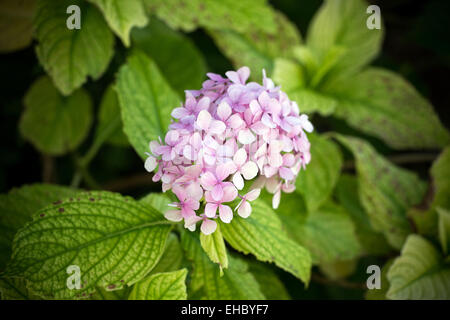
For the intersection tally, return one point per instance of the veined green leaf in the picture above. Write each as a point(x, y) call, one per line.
point(262, 235)
point(159, 201)
point(146, 101)
point(53, 123)
point(161, 286)
point(122, 16)
point(236, 283)
point(172, 257)
point(255, 48)
point(18, 205)
point(378, 98)
point(343, 23)
point(372, 242)
point(15, 289)
point(444, 228)
point(271, 286)
point(317, 182)
point(113, 240)
point(70, 56)
point(226, 14)
point(175, 54)
point(419, 272)
point(16, 24)
point(214, 247)
point(328, 232)
point(104, 294)
point(425, 215)
point(385, 190)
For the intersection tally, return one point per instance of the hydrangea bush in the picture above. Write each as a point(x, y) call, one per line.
point(128, 183)
point(224, 134)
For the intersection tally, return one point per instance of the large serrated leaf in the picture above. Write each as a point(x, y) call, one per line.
point(317, 182)
point(161, 286)
point(383, 104)
point(55, 124)
point(385, 190)
point(419, 272)
point(70, 56)
point(258, 49)
point(114, 241)
point(214, 246)
point(262, 235)
point(122, 16)
point(236, 282)
point(146, 101)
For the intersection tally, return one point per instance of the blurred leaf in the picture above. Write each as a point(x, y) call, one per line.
point(16, 24)
point(380, 294)
point(161, 286)
point(52, 123)
point(288, 74)
point(338, 269)
point(109, 120)
point(159, 201)
point(444, 229)
point(328, 232)
point(372, 242)
point(172, 256)
point(114, 240)
point(181, 63)
point(146, 101)
point(271, 286)
point(237, 282)
point(214, 247)
point(240, 15)
point(262, 235)
point(70, 56)
point(18, 205)
point(385, 190)
point(317, 182)
point(425, 215)
point(122, 16)
point(342, 23)
point(255, 48)
point(419, 273)
point(381, 103)
point(15, 289)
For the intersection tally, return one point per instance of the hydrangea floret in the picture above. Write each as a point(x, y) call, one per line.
point(229, 133)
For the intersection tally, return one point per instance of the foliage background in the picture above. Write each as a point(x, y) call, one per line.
point(415, 46)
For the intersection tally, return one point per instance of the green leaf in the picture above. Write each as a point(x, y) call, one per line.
point(385, 190)
point(339, 269)
point(214, 247)
point(161, 286)
point(444, 229)
point(328, 232)
point(419, 273)
point(122, 16)
point(109, 120)
point(15, 289)
point(18, 205)
point(289, 75)
point(255, 48)
point(317, 182)
point(146, 101)
point(159, 201)
point(262, 235)
point(52, 123)
point(425, 215)
point(104, 294)
point(16, 24)
point(226, 14)
point(378, 98)
point(236, 283)
point(70, 56)
point(114, 240)
point(175, 54)
point(271, 286)
point(172, 257)
point(372, 242)
point(342, 23)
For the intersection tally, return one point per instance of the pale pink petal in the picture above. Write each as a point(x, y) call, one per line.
point(195, 191)
point(253, 195)
point(286, 173)
point(173, 215)
point(238, 181)
point(150, 164)
point(190, 153)
point(229, 193)
point(272, 184)
point(208, 226)
point(217, 127)
point(246, 137)
point(306, 124)
point(245, 210)
point(249, 170)
point(276, 199)
point(243, 73)
point(267, 120)
point(179, 113)
point(208, 180)
point(203, 104)
point(240, 157)
point(203, 120)
point(235, 121)
point(217, 192)
point(255, 107)
point(210, 210)
point(225, 213)
point(222, 171)
point(224, 111)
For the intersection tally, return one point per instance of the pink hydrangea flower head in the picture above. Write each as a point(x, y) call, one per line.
point(229, 133)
